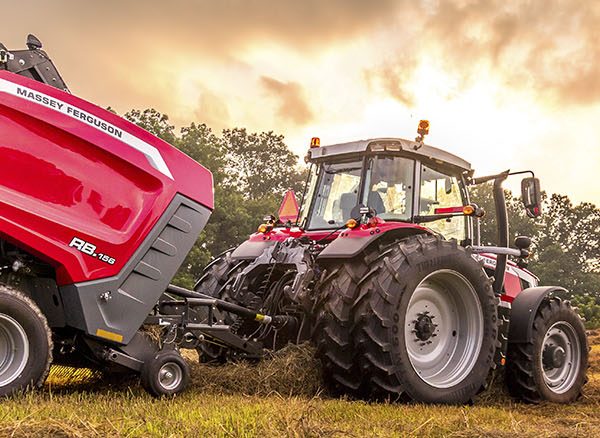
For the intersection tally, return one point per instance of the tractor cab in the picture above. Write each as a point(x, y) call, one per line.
point(394, 180)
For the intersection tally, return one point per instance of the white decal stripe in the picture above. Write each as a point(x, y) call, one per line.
point(152, 154)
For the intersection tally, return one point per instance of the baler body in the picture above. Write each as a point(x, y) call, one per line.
point(112, 208)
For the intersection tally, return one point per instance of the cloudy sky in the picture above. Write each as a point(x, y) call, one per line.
point(505, 84)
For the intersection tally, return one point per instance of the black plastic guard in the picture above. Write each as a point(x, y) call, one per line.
point(348, 247)
point(344, 247)
point(524, 309)
point(250, 250)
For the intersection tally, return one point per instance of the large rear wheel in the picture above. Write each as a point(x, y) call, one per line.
point(335, 322)
point(426, 323)
point(332, 333)
point(25, 343)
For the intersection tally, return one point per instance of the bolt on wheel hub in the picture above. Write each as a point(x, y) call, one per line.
point(553, 356)
point(424, 326)
point(561, 357)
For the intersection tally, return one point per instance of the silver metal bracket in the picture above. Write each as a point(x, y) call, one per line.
point(124, 359)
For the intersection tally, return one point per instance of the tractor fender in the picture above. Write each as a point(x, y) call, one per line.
point(249, 250)
point(350, 244)
point(524, 309)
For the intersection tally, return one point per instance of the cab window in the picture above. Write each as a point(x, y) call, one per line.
point(389, 187)
point(438, 190)
point(337, 195)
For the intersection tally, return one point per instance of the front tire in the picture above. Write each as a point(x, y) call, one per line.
point(553, 365)
point(426, 323)
point(25, 343)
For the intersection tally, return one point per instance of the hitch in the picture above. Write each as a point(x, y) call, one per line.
point(5, 55)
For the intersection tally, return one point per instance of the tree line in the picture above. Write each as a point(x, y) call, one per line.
point(252, 171)
point(566, 244)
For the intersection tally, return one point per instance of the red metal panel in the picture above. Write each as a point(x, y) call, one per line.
point(62, 177)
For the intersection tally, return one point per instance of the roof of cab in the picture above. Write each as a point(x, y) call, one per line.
point(409, 146)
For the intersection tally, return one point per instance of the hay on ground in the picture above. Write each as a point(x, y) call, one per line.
point(291, 371)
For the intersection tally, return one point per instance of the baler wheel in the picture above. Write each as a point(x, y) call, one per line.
point(426, 323)
point(25, 343)
point(553, 365)
point(165, 375)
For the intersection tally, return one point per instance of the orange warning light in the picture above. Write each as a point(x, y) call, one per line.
point(315, 142)
point(351, 223)
point(423, 128)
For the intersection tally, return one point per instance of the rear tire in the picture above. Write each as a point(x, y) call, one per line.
point(332, 333)
point(553, 365)
point(426, 323)
point(25, 343)
point(335, 320)
point(166, 374)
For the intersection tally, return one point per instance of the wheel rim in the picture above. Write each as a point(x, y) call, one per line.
point(14, 349)
point(443, 328)
point(561, 357)
point(170, 376)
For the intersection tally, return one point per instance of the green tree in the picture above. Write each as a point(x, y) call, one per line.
point(519, 223)
point(154, 122)
point(566, 241)
point(260, 165)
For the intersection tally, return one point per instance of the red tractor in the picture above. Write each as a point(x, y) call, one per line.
point(380, 269)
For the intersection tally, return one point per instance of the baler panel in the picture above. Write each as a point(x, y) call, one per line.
point(79, 186)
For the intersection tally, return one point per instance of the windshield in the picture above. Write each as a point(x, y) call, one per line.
point(336, 195)
point(389, 187)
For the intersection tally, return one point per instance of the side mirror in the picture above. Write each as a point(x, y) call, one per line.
point(532, 196)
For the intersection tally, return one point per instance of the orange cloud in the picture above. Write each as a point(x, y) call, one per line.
point(292, 105)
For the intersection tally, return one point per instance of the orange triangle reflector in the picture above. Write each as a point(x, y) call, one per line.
point(289, 207)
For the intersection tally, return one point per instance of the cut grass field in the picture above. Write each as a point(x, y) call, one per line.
point(281, 397)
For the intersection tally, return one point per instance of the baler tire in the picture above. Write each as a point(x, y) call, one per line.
point(24, 329)
point(167, 374)
point(398, 364)
point(526, 378)
point(215, 277)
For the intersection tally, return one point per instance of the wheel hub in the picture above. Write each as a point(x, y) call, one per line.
point(170, 375)
point(424, 326)
point(553, 357)
point(561, 357)
point(14, 349)
point(444, 328)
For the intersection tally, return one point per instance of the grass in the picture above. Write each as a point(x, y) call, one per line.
point(280, 397)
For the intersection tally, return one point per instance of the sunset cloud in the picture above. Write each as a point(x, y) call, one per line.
point(292, 104)
point(515, 80)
